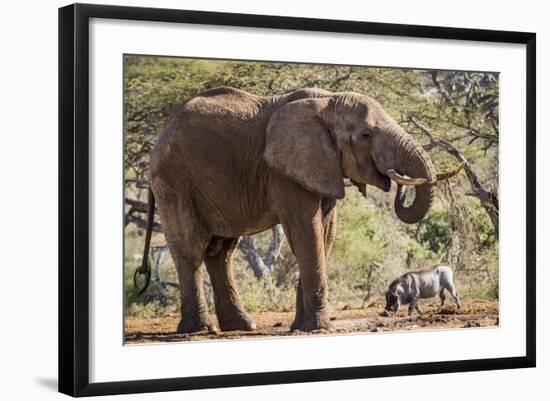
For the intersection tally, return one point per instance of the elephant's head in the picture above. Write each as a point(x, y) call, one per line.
point(319, 142)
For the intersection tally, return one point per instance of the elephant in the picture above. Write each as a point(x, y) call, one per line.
point(231, 163)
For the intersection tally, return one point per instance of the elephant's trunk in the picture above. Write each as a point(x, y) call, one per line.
point(412, 164)
point(422, 203)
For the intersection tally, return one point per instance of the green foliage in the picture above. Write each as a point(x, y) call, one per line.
point(372, 247)
point(434, 233)
point(362, 227)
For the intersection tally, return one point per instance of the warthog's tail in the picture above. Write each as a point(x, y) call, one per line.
point(145, 267)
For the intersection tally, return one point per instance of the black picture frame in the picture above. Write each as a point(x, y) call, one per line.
point(74, 198)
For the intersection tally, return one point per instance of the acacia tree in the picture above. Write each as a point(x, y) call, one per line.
point(467, 105)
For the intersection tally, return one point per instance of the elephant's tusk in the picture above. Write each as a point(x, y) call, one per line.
point(405, 180)
point(446, 176)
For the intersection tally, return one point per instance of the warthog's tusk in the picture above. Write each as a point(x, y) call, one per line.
point(446, 176)
point(405, 180)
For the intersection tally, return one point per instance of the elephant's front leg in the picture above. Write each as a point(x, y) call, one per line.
point(300, 308)
point(329, 234)
point(302, 220)
point(309, 250)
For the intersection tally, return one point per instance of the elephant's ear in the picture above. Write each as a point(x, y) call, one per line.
point(299, 146)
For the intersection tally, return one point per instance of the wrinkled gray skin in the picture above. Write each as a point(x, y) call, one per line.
point(412, 286)
point(230, 163)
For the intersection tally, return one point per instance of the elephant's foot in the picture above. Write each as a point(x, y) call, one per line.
point(200, 325)
point(298, 320)
point(238, 322)
point(296, 325)
point(313, 324)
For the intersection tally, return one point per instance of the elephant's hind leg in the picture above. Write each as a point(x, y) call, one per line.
point(187, 240)
point(231, 315)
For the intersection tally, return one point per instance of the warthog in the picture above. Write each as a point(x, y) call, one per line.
point(412, 286)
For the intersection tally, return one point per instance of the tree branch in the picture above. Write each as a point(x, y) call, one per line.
point(141, 223)
point(262, 266)
point(488, 199)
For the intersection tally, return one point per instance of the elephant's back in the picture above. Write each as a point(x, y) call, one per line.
point(221, 124)
point(224, 104)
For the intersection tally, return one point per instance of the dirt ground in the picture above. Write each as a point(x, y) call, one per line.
point(479, 313)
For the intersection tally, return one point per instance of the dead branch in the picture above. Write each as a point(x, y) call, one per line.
point(157, 253)
point(262, 266)
point(248, 247)
point(130, 217)
point(488, 199)
point(143, 184)
point(138, 206)
point(276, 245)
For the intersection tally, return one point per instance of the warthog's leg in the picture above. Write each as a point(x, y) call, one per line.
point(451, 288)
point(414, 305)
point(415, 293)
point(453, 292)
point(442, 296)
point(447, 283)
point(457, 299)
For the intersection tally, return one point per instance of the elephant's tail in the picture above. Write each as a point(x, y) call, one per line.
point(145, 267)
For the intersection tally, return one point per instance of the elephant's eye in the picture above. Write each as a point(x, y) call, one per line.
point(365, 134)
